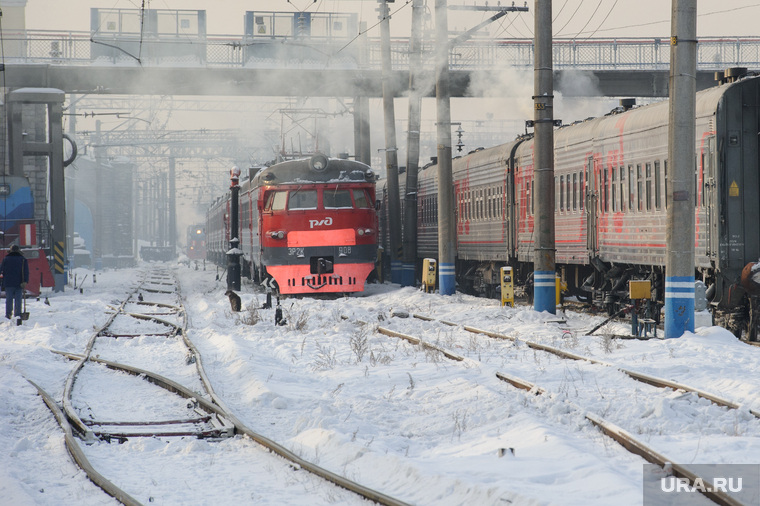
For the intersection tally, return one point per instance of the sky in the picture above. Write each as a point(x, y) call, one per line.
point(390, 415)
point(572, 18)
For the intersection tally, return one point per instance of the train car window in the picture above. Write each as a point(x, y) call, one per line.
point(532, 198)
point(649, 186)
point(665, 166)
point(302, 199)
point(360, 199)
point(582, 189)
point(697, 168)
point(575, 191)
point(640, 187)
point(631, 189)
point(613, 173)
point(276, 201)
point(337, 199)
point(657, 186)
point(605, 191)
point(562, 193)
point(622, 188)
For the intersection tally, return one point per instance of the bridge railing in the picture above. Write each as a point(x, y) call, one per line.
point(77, 48)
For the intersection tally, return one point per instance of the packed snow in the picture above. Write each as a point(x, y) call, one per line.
point(398, 418)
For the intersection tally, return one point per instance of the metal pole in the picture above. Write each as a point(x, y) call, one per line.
point(543, 169)
point(172, 208)
point(447, 248)
point(679, 266)
point(97, 235)
point(391, 154)
point(412, 149)
point(233, 255)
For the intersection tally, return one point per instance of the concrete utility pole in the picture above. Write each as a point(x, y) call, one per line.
point(447, 247)
point(172, 225)
point(412, 148)
point(679, 266)
point(544, 298)
point(391, 151)
point(233, 255)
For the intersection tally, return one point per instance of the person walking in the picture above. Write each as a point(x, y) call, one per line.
point(15, 273)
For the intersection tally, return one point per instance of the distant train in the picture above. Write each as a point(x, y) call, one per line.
point(196, 242)
point(308, 224)
point(18, 226)
point(611, 182)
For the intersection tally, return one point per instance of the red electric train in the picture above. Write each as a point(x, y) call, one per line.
point(308, 224)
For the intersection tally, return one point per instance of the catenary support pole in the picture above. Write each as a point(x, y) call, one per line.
point(412, 148)
point(544, 298)
point(679, 266)
point(446, 236)
point(391, 151)
point(233, 255)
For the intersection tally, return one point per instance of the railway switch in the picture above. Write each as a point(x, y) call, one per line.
point(507, 286)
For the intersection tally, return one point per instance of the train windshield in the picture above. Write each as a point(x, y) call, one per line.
point(303, 199)
point(276, 200)
point(337, 199)
point(360, 198)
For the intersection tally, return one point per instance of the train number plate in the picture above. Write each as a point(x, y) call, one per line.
point(296, 252)
point(344, 251)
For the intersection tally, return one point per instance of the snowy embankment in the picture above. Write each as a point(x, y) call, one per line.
point(394, 417)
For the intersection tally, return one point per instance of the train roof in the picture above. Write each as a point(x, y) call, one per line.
point(316, 169)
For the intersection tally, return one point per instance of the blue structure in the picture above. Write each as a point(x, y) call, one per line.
point(679, 305)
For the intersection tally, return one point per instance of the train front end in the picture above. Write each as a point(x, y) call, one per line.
point(318, 225)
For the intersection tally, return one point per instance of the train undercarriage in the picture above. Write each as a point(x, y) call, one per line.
point(604, 286)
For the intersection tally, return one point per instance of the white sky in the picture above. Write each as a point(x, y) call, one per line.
point(581, 18)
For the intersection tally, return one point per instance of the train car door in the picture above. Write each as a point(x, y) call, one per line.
point(592, 196)
point(709, 198)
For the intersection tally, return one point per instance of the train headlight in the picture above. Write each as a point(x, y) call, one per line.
point(279, 234)
point(364, 231)
point(360, 231)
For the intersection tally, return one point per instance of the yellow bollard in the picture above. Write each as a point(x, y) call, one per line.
point(429, 274)
point(507, 286)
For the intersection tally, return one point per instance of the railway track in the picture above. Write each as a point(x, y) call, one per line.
point(141, 378)
point(624, 438)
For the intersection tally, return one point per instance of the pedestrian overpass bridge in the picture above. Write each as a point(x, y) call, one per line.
point(80, 62)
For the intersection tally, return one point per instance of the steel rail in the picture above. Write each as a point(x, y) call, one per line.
point(641, 377)
point(78, 455)
point(215, 406)
point(619, 435)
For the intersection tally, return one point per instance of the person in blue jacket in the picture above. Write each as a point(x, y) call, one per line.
point(15, 273)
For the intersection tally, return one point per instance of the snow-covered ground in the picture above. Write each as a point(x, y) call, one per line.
point(395, 417)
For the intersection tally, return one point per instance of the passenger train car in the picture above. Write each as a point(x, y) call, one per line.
point(18, 226)
point(611, 183)
point(309, 224)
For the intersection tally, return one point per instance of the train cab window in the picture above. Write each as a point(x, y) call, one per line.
point(302, 199)
point(337, 199)
point(276, 201)
point(360, 199)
